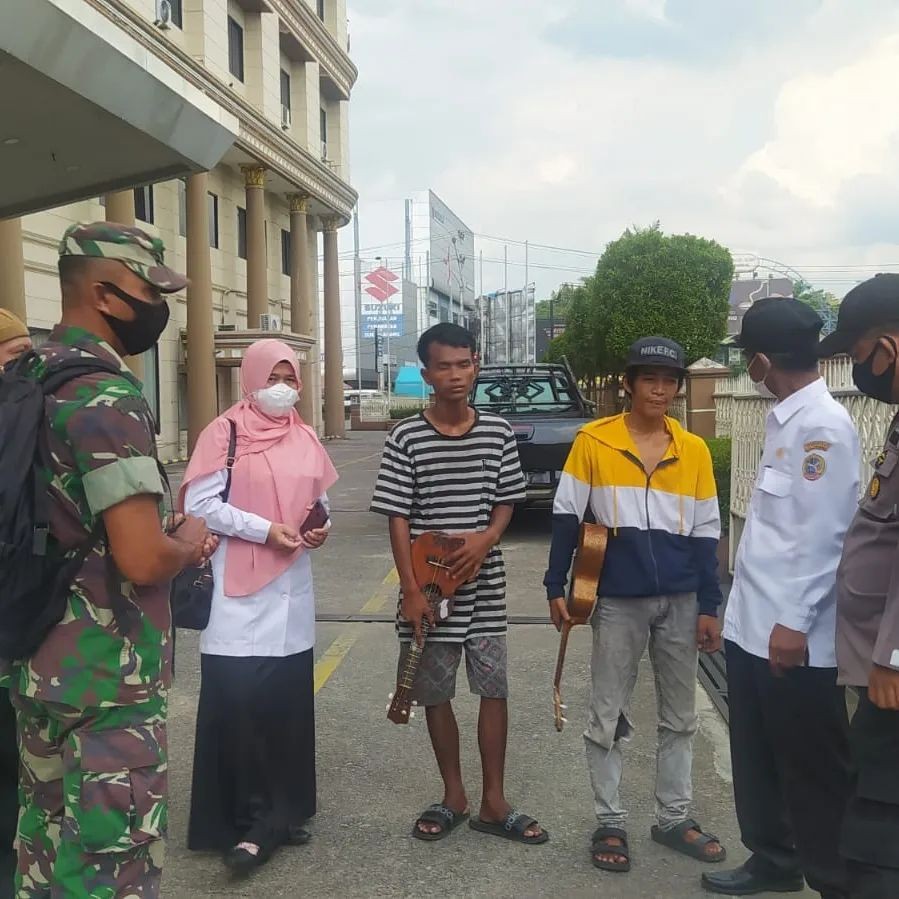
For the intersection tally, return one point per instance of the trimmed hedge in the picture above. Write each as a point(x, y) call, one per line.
point(720, 448)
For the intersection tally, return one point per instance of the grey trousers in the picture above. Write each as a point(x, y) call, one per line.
point(621, 630)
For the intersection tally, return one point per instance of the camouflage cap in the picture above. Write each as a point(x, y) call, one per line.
point(143, 254)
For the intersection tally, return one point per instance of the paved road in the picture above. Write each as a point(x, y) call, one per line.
point(374, 777)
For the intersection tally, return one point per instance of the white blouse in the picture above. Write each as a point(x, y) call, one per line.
point(277, 621)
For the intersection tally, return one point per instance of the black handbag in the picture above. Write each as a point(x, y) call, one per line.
point(191, 593)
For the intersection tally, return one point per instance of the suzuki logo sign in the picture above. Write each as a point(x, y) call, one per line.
point(379, 284)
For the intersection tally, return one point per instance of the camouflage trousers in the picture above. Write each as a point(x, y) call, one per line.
point(93, 800)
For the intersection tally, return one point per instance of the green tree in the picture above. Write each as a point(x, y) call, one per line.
point(650, 283)
point(822, 301)
point(560, 302)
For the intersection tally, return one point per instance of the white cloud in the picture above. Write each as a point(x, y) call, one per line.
point(833, 127)
point(779, 141)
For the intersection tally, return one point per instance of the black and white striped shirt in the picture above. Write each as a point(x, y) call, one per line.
point(452, 484)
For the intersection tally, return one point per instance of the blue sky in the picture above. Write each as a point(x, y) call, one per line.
point(768, 125)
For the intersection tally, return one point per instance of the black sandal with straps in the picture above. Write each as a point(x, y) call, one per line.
point(676, 838)
point(600, 845)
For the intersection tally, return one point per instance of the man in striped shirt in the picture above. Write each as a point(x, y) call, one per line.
point(456, 470)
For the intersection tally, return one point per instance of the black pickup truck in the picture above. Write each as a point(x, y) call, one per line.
point(545, 408)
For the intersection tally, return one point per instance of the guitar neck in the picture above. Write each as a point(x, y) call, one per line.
point(413, 659)
point(563, 646)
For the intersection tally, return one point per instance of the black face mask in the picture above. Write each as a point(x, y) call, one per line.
point(142, 332)
point(879, 387)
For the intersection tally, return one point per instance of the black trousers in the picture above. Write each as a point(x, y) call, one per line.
point(789, 742)
point(870, 840)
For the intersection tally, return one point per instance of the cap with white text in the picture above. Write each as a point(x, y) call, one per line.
point(657, 351)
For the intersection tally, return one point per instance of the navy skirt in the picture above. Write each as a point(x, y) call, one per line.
point(254, 757)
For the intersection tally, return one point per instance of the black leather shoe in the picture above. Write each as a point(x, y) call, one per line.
point(743, 882)
point(241, 861)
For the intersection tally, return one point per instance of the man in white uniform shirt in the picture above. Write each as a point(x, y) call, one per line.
point(788, 720)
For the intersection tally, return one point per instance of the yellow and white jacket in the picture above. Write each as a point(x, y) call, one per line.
point(663, 529)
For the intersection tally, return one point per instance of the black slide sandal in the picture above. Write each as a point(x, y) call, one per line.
point(441, 815)
point(512, 827)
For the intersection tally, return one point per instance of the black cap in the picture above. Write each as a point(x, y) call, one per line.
point(779, 325)
point(873, 302)
point(657, 351)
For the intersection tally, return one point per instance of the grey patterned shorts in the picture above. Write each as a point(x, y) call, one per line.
point(485, 661)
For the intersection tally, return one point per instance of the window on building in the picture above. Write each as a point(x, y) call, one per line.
point(213, 221)
point(285, 252)
point(285, 90)
point(241, 232)
point(177, 12)
point(321, 9)
point(323, 120)
point(143, 204)
point(235, 49)
point(182, 207)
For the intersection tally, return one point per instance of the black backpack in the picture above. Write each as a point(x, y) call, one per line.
point(34, 577)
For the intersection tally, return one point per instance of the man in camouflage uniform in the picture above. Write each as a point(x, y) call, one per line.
point(91, 701)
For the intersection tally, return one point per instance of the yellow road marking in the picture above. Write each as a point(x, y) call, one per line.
point(344, 641)
point(357, 461)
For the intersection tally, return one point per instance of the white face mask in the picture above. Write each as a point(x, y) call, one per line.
point(763, 390)
point(276, 400)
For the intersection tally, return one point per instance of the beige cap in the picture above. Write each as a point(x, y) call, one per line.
point(11, 327)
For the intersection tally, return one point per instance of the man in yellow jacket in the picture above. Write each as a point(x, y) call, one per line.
point(651, 483)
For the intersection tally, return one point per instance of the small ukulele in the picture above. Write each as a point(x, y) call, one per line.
point(588, 561)
point(429, 554)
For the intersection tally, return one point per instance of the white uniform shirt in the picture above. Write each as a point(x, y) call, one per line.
point(277, 621)
point(805, 496)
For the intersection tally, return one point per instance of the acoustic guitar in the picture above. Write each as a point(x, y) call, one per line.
point(588, 561)
point(433, 576)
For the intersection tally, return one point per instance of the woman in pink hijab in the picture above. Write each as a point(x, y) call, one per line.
point(254, 759)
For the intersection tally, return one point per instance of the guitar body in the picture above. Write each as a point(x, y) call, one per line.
point(588, 561)
point(432, 574)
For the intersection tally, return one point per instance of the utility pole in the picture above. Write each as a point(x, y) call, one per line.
point(357, 286)
point(527, 309)
point(508, 300)
point(483, 347)
point(378, 355)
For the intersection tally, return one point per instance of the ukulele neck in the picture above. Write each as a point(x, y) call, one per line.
point(413, 659)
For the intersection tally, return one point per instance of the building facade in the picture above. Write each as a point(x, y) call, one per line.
point(275, 75)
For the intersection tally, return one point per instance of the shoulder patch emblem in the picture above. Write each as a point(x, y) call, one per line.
point(813, 467)
point(874, 489)
point(821, 446)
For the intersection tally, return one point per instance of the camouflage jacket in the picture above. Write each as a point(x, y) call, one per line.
point(108, 649)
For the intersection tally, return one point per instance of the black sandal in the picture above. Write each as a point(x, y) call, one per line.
point(443, 816)
point(600, 845)
point(675, 838)
point(513, 827)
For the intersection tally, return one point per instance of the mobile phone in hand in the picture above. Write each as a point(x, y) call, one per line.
point(317, 518)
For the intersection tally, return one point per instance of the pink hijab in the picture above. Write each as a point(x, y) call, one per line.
point(280, 469)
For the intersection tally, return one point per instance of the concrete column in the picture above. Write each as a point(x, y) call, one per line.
point(12, 268)
point(202, 403)
point(257, 263)
point(701, 384)
point(301, 294)
point(120, 207)
point(334, 421)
